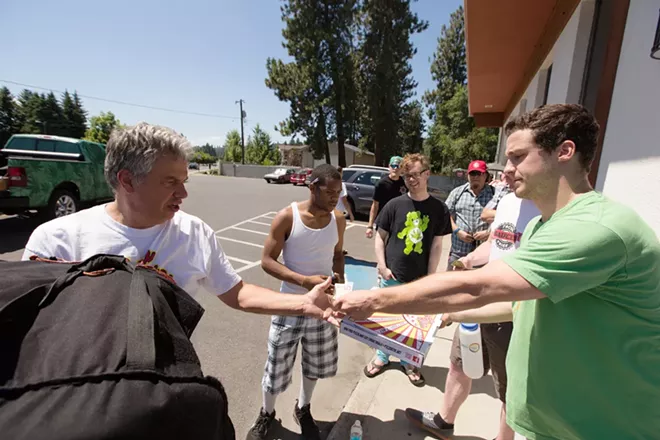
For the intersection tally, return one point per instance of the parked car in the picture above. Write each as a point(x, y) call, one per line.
point(51, 174)
point(193, 166)
point(361, 183)
point(280, 175)
point(301, 176)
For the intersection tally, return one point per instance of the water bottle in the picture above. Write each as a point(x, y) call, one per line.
point(471, 350)
point(356, 431)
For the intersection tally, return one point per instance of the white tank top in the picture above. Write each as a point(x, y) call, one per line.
point(308, 251)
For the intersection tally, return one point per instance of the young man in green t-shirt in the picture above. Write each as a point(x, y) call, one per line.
point(584, 359)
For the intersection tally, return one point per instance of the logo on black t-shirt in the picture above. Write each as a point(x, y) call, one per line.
point(506, 236)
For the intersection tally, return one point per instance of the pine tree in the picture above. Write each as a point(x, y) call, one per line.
point(50, 115)
point(448, 67)
point(8, 116)
point(232, 147)
point(453, 139)
point(29, 107)
point(74, 116)
point(412, 128)
point(386, 74)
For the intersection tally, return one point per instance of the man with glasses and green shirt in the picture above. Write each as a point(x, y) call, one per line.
point(409, 242)
point(466, 204)
point(584, 358)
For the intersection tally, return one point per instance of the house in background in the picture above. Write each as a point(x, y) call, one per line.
point(301, 155)
point(603, 54)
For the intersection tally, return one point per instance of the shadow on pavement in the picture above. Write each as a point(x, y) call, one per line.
point(437, 376)
point(279, 432)
point(15, 232)
point(376, 429)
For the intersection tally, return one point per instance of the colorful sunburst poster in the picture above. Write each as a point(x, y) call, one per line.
point(407, 337)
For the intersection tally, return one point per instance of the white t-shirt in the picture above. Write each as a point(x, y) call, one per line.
point(340, 203)
point(512, 216)
point(184, 248)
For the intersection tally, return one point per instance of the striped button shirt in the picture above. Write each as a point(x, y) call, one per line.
point(465, 208)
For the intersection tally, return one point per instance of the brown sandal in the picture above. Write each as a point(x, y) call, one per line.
point(371, 366)
point(409, 370)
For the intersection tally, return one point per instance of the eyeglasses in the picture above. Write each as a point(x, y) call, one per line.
point(414, 176)
point(394, 166)
point(475, 173)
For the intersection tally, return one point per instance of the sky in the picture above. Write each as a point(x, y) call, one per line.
point(196, 56)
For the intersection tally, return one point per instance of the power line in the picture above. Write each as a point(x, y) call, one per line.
point(114, 101)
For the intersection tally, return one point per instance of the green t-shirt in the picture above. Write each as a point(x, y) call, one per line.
point(584, 363)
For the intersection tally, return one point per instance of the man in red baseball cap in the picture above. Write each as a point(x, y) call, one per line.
point(478, 165)
point(465, 204)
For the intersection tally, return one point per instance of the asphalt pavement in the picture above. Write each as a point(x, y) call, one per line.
point(232, 344)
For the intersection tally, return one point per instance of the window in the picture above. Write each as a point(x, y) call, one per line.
point(45, 145)
point(347, 174)
point(22, 143)
point(67, 147)
point(547, 85)
point(368, 178)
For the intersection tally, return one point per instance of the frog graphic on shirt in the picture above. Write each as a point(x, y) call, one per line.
point(413, 233)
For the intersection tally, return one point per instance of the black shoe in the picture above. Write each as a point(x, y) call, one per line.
point(260, 428)
point(431, 422)
point(303, 417)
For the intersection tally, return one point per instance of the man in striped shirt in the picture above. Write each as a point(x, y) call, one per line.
point(466, 204)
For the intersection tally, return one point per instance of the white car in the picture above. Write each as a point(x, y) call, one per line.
point(280, 175)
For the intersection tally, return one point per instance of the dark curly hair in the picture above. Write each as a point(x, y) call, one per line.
point(553, 124)
point(324, 172)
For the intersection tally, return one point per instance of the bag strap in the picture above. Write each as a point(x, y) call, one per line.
point(141, 345)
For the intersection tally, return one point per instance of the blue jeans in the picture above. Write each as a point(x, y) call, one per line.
point(383, 357)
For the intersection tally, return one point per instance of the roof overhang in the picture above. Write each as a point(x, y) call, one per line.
point(507, 41)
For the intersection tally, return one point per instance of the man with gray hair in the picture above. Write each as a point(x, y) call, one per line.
point(147, 169)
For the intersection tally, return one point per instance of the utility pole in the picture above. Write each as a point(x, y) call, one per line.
point(240, 103)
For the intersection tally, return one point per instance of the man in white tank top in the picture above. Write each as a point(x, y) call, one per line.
point(310, 236)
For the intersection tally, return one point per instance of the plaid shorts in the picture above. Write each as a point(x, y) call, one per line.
point(319, 351)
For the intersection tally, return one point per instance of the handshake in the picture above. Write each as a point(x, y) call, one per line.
point(326, 302)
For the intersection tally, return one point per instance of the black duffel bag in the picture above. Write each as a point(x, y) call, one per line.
point(101, 350)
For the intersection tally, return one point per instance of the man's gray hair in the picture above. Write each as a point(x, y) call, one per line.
point(137, 148)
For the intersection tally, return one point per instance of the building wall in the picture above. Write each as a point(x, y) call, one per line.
point(569, 56)
point(568, 59)
point(629, 168)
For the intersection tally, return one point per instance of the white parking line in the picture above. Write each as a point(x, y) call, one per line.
point(249, 230)
point(244, 221)
point(239, 260)
point(239, 241)
point(364, 225)
point(249, 266)
point(259, 223)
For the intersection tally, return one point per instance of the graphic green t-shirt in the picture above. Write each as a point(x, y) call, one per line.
point(584, 363)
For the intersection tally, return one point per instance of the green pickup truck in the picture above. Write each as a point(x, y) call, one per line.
point(53, 175)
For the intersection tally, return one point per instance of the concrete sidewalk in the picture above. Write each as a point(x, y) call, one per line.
point(379, 403)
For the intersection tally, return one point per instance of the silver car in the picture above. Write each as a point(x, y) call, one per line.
point(361, 186)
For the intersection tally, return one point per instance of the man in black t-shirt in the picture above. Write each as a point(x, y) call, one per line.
point(409, 241)
point(387, 188)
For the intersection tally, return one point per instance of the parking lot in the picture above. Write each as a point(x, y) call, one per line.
point(232, 344)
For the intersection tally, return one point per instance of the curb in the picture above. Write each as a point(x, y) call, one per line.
point(356, 407)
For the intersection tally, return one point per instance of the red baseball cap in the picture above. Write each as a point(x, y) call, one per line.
point(478, 165)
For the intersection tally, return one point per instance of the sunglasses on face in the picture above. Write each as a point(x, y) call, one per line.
point(475, 173)
point(394, 166)
point(414, 175)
